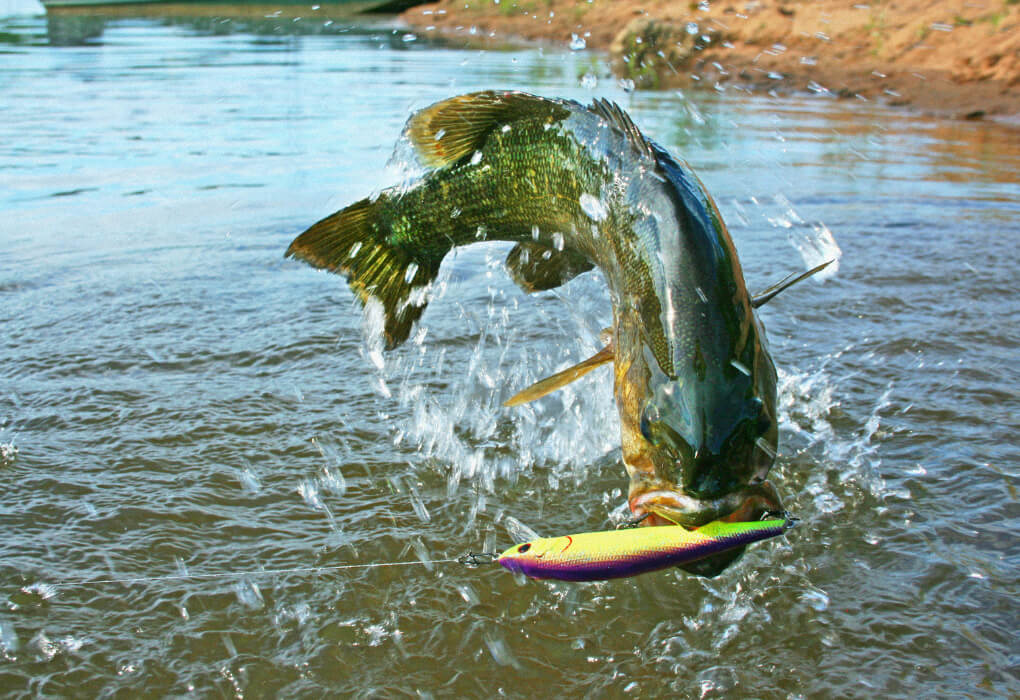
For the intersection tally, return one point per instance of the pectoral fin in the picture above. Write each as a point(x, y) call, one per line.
point(561, 379)
point(535, 267)
point(767, 295)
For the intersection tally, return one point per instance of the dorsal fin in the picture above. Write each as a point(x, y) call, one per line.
point(766, 296)
point(561, 379)
point(621, 121)
point(452, 130)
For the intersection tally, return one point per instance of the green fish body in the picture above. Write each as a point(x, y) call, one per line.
point(577, 187)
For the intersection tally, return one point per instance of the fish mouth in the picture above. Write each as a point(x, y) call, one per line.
point(667, 506)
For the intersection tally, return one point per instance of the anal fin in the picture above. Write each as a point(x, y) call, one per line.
point(561, 379)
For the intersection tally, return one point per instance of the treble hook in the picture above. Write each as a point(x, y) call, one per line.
point(627, 524)
point(785, 515)
point(473, 560)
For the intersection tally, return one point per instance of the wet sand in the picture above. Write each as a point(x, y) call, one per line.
point(951, 58)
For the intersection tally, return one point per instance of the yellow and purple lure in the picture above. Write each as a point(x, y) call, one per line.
point(594, 556)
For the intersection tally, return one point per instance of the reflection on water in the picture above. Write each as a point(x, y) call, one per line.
point(76, 26)
point(176, 398)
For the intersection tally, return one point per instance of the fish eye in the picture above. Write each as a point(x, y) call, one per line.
point(524, 548)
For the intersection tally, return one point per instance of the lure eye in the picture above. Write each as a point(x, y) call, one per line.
point(524, 548)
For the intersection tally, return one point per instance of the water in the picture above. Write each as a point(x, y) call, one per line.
point(176, 398)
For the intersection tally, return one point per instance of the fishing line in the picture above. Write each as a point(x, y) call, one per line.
point(470, 560)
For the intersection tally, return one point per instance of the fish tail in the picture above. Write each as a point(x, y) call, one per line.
point(354, 242)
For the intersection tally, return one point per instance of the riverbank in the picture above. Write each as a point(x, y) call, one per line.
point(952, 58)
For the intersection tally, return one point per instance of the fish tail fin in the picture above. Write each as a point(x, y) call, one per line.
point(352, 242)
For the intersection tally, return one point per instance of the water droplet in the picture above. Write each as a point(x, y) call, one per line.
point(8, 452)
point(45, 647)
point(594, 207)
point(589, 81)
point(249, 595)
point(701, 294)
point(334, 481)
point(816, 247)
point(249, 481)
point(476, 158)
point(577, 43)
point(766, 447)
point(817, 599)
point(467, 593)
point(740, 367)
point(828, 503)
point(692, 28)
point(354, 249)
point(376, 358)
point(557, 240)
point(535, 233)
point(408, 38)
point(422, 552)
point(519, 532)
point(410, 272)
point(500, 652)
point(310, 493)
point(440, 134)
point(8, 638)
point(419, 505)
point(376, 635)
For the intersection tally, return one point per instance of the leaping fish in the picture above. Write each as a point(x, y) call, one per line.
point(577, 187)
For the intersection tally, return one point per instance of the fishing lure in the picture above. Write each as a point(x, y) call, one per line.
point(594, 556)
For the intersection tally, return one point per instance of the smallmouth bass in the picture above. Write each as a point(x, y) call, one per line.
point(577, 187)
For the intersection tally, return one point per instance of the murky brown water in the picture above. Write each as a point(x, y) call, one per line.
point(176, 398)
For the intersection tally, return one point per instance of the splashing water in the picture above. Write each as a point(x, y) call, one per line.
point(594, 207)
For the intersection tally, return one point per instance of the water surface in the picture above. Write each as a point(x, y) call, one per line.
point(176, 398)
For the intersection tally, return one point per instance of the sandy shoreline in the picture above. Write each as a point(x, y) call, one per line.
point(951, 58)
